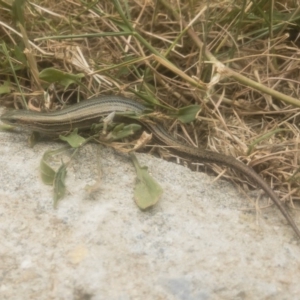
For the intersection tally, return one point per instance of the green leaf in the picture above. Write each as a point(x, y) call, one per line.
point(73, 139)
point(50, 177)
point(121, 131)
point(187, 114)
point(59, 184)
point(5, 88)
point(18, 11)
point(147, 191)
point(33, 139)
point(65, 79)
point(19, 54)
point(47, 173)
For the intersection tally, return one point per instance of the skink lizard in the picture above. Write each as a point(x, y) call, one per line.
point(85, 113)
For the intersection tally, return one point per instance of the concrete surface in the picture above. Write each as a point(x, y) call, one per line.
point(199, 242)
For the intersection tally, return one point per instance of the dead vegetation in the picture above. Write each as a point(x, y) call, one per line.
point(239, 61)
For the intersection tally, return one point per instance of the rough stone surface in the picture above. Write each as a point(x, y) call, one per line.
point(198, 242)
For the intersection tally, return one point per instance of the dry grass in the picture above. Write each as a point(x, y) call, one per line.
point(140, 49)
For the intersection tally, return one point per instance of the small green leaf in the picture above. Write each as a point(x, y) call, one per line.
point(187, 114)
point(147, 191)
point(59, 184)
point(50, 177)
point(33, 139)
point(19, 54)
point(73, 139)
point(47, 173)
point(5, 88)
point(121, 131)
point(18, 11)
point(65, 79)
